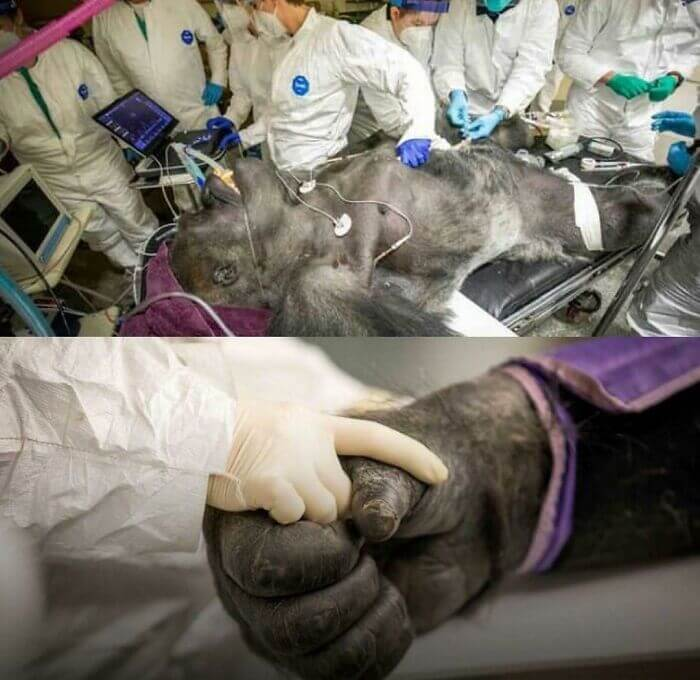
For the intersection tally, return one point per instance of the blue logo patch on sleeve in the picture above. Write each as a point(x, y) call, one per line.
point(187, 37)
point(84, 92)
point(570, 10)
point(300, 85)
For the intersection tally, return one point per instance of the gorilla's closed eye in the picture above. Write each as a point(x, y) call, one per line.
point(226, 275)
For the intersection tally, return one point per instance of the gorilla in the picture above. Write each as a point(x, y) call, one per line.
point(414, 235)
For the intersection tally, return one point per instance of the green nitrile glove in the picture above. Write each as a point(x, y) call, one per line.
point(628, 87)
point(662, 88)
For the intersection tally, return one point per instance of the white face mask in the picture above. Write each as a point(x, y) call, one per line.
point(419, 41)
point(269, 25)
point(7, 40)
point(236, 18)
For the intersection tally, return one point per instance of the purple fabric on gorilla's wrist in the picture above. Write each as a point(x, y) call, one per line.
point(617, 375)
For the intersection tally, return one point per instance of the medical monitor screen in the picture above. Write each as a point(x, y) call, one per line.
point(138, 121)
point(31, 215)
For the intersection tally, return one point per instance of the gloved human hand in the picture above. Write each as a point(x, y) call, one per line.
point(662, 88)
point(679, 158)
point(414, 152)
point(457, 112)
point(628, 86)
point(674, 121)
point(309, 600)
point(212, 94)
point(284, 459)
point(483, 126)
point(232, 138)
point(131, 156)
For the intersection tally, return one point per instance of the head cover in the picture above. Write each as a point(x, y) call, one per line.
point(236, 18)
point(8, 7)
point(434, 6)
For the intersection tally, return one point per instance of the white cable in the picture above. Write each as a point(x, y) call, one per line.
point(187, 296)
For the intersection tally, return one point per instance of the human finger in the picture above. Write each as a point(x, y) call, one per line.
point(355, 437)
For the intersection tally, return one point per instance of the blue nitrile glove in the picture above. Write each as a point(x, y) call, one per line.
point(674, 121)
point(679, 158)
point(414, 152)
point(483, 126)
point(212, 94)
point(131, 156)
point(231, 138)
point(457, 113)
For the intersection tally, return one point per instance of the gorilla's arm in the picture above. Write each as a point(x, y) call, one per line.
point(320, 603)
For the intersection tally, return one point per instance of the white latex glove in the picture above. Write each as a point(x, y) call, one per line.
point(284, 459)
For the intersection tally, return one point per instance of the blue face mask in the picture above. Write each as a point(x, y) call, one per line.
point(497, 6)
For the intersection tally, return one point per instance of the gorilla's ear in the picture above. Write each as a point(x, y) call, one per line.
point(225, 275)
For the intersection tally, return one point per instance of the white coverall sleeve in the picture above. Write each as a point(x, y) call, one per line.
point(534, 59)
point(217, 51)
point(364, 58)
point(96, 78)
point(106, 447)
point(119, 80)
point(241, 101)
point(448, 52)
point(573, 54)
point(255, 133)
point(4, 134)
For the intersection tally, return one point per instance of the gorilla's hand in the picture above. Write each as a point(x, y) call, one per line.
point(308, 598)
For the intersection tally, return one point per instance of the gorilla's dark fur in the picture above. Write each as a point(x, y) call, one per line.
point(467, 206)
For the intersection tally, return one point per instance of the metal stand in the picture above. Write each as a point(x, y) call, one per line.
point(669, 217)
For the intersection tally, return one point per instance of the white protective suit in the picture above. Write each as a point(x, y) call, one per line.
point(646, 38)
point(104, 459)
point(497, 64)
point(251, 64)
point(168, 67)
point(567, 11)
point(375, 111)
point(316, 85)
point(84, 164)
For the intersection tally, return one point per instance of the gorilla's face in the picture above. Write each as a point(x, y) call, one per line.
point(216, 255)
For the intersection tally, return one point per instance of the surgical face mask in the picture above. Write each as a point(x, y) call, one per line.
point(497, 6)
point(269, 25)
point(7, 40)
point(419, 41)
point(236, 18)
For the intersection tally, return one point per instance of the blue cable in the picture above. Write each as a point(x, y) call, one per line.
point(23, 306)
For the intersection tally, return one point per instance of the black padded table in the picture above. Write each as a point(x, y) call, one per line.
point(520, 294)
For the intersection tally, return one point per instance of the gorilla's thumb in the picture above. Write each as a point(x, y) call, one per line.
point(382, 496)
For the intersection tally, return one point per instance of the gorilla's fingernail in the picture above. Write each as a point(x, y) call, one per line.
point(379, 521)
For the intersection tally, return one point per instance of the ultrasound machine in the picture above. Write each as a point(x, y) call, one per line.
point(145, 126)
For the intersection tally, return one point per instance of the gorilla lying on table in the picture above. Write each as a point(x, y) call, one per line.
point(345, 601)
point(412, 242)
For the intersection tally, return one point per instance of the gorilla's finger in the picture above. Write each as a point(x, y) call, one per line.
point(269, 560)
point(294, 626)
point(438, 575)
point(382, 497)
point(369, 650)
